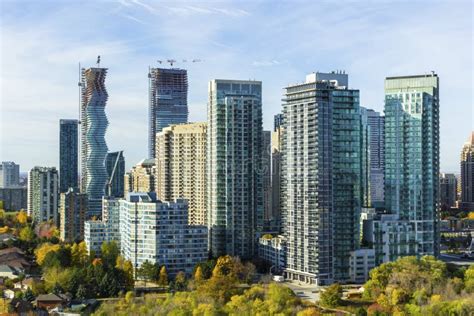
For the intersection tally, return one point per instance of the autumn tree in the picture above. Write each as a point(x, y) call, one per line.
point(27, 234)
point(163, 279)
point(43, 250)
point(79, 254)
point(198, 277)
point(22, 217)
point(332, 295)
point(180, 281)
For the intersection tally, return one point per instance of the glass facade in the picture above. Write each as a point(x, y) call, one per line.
point(235, 189)
point(168, 101)
point(115, 164)
point(68, 155)
point(412, 157)
point(93, 146)
point(320, 187)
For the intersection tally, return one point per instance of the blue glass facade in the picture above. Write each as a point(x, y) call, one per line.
point(115, 164)
point(68, 155)
point(168, 101)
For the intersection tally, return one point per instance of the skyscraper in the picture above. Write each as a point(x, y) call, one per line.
point(43, 193)
point(467, 175)
point(235, 192)
point(320, 181)
point(93, 146)
point(115, 165)
point(412, 161)
point(374, 152)
point(72, 213)
point(168, 101)
point(447, 190)
point(181, 167)
point(276, 166)
point(267, 175)
point(68, 155)
point(9, 174)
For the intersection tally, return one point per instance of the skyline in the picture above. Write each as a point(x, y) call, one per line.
point(236, 40)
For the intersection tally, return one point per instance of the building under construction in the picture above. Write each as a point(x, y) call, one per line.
point(168, 101)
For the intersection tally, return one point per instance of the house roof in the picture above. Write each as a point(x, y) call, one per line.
point(10, 250)
point(7, 268)
point(50, 298)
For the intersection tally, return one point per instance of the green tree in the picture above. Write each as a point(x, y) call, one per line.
point(146, 271)
point(110, 252)
point(180, 281)
point(29, 296)
point(469, 279)
point(79, 255)
point(332, 296)
point(27, 234)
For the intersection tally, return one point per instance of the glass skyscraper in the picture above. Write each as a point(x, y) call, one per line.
point(93, 146)
point(467, 175)
point(235, 188)
point(115, 164)
point(412, 161)
point(68, 155)
point(168, 101)
point(320, 186)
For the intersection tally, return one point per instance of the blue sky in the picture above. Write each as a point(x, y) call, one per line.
point(278, 42)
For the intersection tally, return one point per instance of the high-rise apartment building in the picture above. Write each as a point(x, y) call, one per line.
point(234, 177)
point(68, 155)
point(267, 175)
point(9, 174)
point(158, 232)
point(467, 175)
point(168, 101)
point(14, 198)
point(447, 190)
point(141, 178)
point(373, 158)
point(43, 194)
point(320, 187)
point(93, 146)
point(277, 121)
point(115, 165)
point(72, 214)
point(412, 162)
point(181, 167)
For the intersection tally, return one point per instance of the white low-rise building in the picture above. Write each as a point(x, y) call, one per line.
point(272, 250)
point(360, 263)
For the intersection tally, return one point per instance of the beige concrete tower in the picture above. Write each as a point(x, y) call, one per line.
point(141, 178)
point(181, 167)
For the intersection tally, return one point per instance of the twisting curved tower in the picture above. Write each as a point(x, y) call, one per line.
point(93, 146)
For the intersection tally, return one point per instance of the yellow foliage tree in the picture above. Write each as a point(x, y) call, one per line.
point(471, 215)
point(198, 277)
point(43, 250)
point(79, 253)
point(163, 279)
point(22, 217)
point(4, 229)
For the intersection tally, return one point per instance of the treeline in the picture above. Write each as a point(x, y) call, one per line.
point(217, 288)
point(424, 286)
point(70, 269)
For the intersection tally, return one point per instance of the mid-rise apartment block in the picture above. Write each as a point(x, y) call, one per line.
point(447, 190)
point(181, 167)
point(43, 194)
point(159, 232)
point(72, 213)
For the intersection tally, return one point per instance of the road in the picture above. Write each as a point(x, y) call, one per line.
point(304, 291)
point(456, 259)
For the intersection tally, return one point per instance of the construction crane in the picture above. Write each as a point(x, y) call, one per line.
point(174, 61)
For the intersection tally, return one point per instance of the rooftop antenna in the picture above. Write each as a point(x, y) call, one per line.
point(98, 61)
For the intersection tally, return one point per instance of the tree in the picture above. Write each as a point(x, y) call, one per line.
point(79, 255)
point(146, 271)
point(110, 252)
point(43, 250)
point(198, 277)
point(22, 217)
point(180, 281)
point(469, 279)
point(29, 296)
point(27, 234)
point(332, 296)
point(81, 292)
point(163, 280)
